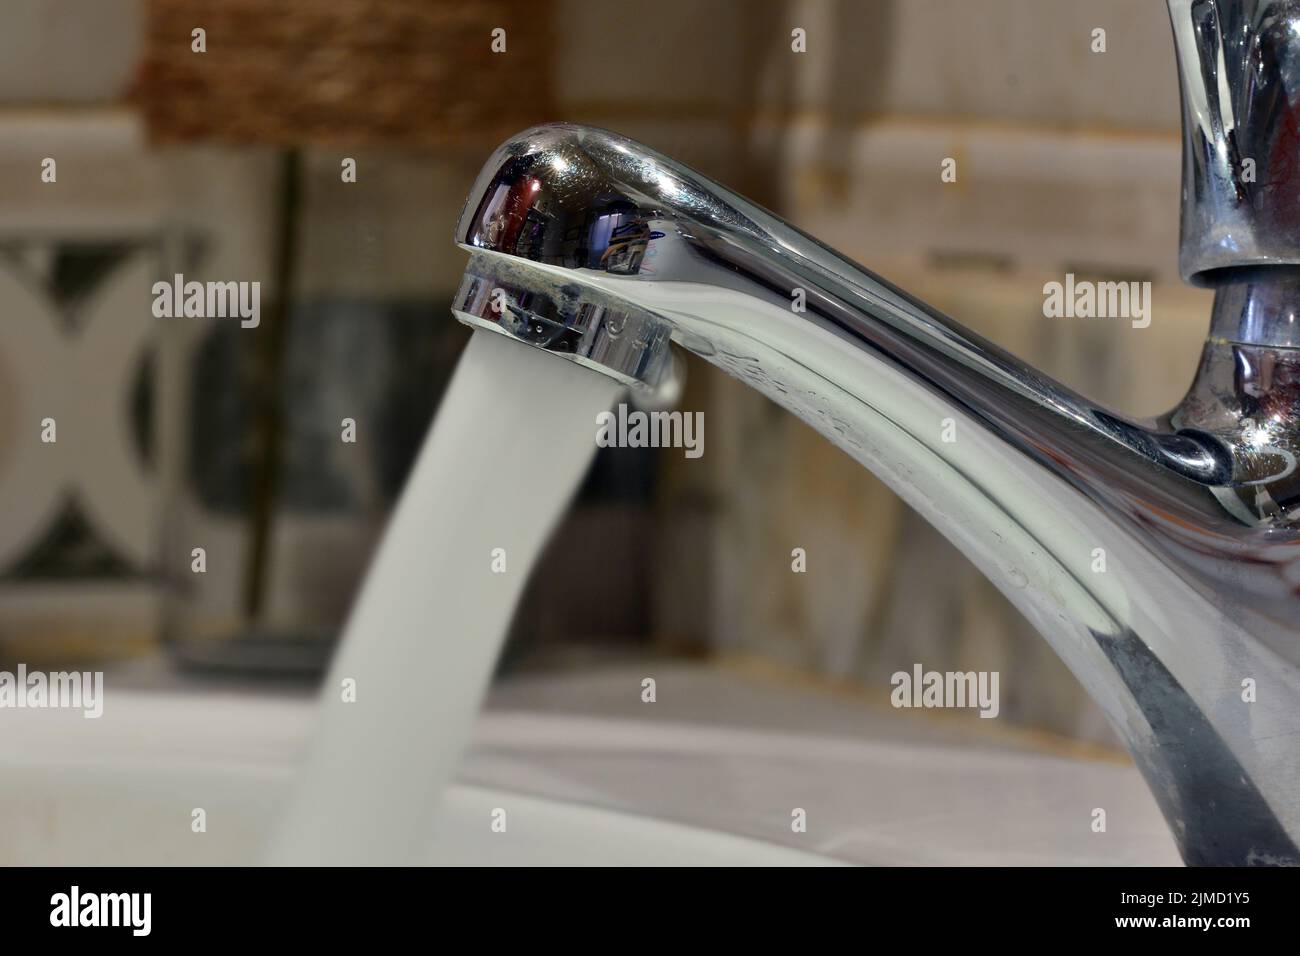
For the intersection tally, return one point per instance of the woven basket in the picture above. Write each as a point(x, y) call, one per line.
point(408, 73)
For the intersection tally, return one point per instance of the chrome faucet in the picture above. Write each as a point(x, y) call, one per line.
point(1160, 558)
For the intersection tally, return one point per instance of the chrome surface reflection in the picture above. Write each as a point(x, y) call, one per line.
point(1239, 70)
point(1160, 558)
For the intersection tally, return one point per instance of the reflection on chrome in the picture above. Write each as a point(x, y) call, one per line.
point(1161, 558)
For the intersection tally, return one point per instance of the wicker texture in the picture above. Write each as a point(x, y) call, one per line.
point(406, 73)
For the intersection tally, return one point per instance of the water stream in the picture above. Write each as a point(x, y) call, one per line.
point(513, 437)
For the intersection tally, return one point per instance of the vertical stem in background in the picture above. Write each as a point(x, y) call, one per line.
point(268, 422)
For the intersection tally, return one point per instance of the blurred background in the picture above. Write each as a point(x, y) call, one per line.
point(225, 165)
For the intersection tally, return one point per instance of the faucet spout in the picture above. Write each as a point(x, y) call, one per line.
point(1160, 566)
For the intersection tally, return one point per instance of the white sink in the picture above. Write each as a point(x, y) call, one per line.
point(576, 789)
point(121, 791)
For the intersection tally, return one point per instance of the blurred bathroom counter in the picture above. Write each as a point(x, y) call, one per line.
point(738, 751)
point(751, 694)
point(722, 750)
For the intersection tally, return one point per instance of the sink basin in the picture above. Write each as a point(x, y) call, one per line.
point(121, 791)
point(101, 817)
point(578, 788)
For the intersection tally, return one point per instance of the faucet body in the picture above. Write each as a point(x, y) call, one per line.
point(1161, 557)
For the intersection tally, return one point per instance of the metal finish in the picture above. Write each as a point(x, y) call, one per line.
point(1160, 558)
point(1239, 68)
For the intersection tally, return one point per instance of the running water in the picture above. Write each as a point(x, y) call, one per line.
point(512, 439)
